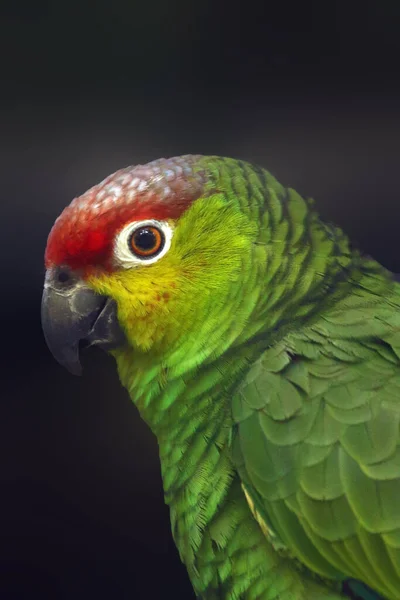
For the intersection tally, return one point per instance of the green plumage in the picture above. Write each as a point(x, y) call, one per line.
point(295, 406)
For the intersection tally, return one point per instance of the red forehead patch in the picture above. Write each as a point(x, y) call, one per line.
point(83, 234)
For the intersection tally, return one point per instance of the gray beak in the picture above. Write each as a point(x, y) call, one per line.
point(72, 313)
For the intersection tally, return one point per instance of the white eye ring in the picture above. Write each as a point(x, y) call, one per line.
point(123, 254)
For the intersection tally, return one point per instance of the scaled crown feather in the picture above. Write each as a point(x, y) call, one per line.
point(83, 234)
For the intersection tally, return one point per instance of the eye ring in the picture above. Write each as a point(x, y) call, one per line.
point(146, 241)
point(125, 256)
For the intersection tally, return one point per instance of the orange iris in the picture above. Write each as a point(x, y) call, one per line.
point(146, 241)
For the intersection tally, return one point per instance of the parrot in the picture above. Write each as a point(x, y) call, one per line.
point(262, 349)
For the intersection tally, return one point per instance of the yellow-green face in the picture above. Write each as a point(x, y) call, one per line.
point(184, 292)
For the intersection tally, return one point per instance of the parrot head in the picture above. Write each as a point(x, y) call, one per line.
point(151, 260)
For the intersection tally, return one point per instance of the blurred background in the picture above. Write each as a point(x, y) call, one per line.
point(309, 90)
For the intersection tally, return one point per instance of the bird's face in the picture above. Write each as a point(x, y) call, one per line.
point(153, 258)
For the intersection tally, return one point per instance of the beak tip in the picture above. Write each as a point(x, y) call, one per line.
point(74, 369)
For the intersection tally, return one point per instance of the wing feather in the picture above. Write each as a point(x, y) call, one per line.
point(317, 443)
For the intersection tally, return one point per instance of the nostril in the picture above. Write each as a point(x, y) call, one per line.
point(63, 276)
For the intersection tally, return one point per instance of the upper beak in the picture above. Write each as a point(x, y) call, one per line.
point(73, 312)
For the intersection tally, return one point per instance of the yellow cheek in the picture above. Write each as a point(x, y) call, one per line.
point(147, 302)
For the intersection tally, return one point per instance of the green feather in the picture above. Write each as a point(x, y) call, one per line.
point(275, 404)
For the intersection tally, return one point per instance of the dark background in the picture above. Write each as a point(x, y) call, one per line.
point(309, 90)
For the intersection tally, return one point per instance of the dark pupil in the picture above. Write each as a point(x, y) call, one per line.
point(145, 239)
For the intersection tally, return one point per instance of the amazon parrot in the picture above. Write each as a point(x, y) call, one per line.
point(263, 351)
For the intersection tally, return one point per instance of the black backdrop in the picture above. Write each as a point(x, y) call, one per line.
point(309, 90)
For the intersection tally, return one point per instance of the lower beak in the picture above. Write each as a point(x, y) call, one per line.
point(71, 313)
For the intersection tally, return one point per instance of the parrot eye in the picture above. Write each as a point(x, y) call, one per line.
point(147, 241)
point(142, 242)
